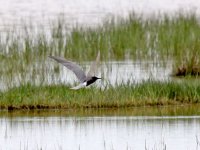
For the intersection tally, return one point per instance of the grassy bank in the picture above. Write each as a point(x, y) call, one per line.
point(170, 110)
point(149, 93)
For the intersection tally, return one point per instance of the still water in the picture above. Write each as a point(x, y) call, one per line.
point(88, 12)
point(114, 130)
point(118, 72)
point(110, 131)
point(112, 72)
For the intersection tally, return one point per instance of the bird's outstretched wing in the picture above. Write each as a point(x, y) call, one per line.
point(82, 85)
point(80, 74)
point(94, 66)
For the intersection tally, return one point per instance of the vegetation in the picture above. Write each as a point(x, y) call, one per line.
point(25, 70)
point(149, 93)
point(168, 38)
point(190, 65)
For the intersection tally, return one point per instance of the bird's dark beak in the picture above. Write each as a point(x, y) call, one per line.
point(98, 78)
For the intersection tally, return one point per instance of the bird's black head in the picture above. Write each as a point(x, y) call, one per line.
point(94, 78)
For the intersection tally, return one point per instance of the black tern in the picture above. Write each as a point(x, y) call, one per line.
point(84, 79)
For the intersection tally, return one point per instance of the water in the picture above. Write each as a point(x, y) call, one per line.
point(107, 129)
point(112, 72)
point(118, 72)
point(87, 13)
point(137, 129)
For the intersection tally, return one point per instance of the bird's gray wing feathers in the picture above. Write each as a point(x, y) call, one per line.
point(94, 66)
point(80, 74)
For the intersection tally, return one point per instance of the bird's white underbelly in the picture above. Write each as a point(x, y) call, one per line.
point(82, 85)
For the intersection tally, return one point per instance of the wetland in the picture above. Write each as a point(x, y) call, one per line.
point(149, 94)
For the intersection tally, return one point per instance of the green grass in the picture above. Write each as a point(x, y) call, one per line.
point(149, 93)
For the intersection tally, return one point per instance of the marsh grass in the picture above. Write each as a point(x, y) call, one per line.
point(24, 51)
point(140, 38)
point(190, 64)
point(149, 93)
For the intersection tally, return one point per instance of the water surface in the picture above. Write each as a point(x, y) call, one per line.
point(112, 72)
point(87, 12)
point(136, 128)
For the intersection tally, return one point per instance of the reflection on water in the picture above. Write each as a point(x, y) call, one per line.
point(102, 129)
point(118, 133)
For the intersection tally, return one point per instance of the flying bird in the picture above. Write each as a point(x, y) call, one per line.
point(84, 79)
